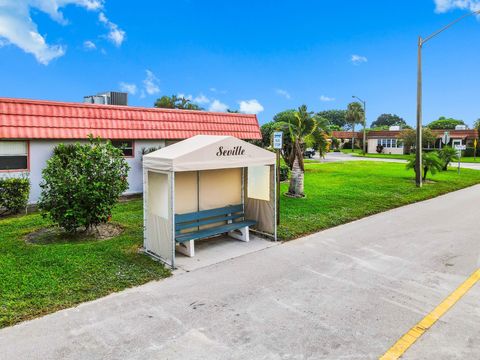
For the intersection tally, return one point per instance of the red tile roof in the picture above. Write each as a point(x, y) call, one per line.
point(38, 119)
point(346, 134)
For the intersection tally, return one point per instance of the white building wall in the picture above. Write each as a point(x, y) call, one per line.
point(372, 148)
point(42, 150)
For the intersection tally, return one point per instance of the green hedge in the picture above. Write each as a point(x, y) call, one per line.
point(469, 151)
point(284, 171)
point(14, 194)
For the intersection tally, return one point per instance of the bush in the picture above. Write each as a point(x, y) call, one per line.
point(284, 172)
point(82, 183)
point(14, 194)
point(348, 145)
point(470, 152)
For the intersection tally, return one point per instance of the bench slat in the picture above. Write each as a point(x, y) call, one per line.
point(213, 231)
point(188, 225)
point(200, 215)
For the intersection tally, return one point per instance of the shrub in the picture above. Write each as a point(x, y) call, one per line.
point(14, 194)
point(284, 172)
point(82, 183)
point(348, 145)
point(430, 162)
point(448, 154)
point(470, 152)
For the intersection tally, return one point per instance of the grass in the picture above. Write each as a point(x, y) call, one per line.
point(40, 279)
point(341, 192)
point(465, 159)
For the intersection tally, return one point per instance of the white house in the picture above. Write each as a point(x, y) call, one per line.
point(30, 130)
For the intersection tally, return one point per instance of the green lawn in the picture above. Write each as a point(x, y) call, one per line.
point(39, 279)
point(341, 192)
point(465, 159)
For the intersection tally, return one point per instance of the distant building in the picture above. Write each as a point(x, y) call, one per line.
point(30, 130)
point(392, 143)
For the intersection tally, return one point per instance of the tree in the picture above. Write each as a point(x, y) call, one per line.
point(267, 130)
point(82, 183)
point(300, 125)
point(430, 162)
point(476, 124)
point(354, 116)
point(409, 138)
point(445, 124)
point(174, 102)
point(447, 155)
point(387, 120)
point(335, 118)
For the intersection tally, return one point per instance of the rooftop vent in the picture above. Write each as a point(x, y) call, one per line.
point(394, 128)
point(107, 98)
point(460, 127)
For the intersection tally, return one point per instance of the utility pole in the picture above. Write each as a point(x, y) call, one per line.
point(419, 145)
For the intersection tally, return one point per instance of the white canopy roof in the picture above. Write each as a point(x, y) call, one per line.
point(205, 152)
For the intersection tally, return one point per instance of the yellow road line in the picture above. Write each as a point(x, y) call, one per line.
point(407, 340)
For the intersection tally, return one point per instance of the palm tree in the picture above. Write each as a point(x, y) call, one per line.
point(354, 116)
point(300, 126)
point(447, 154)
point(430, 162)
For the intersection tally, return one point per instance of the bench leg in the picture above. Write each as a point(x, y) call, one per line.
point(186, 248)
point(244, 234)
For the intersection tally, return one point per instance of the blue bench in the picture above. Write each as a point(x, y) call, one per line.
point(229, 219)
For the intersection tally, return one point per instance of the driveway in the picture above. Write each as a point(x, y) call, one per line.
point(346, 293)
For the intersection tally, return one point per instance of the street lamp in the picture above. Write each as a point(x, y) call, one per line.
point(419, 147)
point(364, 122)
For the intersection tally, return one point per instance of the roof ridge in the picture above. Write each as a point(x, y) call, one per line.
point(119, 107)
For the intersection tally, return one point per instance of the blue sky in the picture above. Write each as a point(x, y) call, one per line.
point(257, 56)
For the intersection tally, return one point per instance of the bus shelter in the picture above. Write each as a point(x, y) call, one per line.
point(195, 178)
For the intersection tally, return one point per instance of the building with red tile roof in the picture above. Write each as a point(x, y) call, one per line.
point(30, 130)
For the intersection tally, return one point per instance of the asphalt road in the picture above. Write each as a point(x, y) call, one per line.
point(336, 157)
point(346, 293)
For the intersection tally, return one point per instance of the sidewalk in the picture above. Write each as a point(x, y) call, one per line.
point(348, 292)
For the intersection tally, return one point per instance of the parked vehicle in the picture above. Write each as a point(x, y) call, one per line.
point(309, 153)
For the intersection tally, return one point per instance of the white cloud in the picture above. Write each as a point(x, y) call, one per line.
point(151, 83)
point(17, 27)
point(358, 59)
point(442, 6)
point(283, 93)
point(187, 97)
point(89, 45)
point(326, 98)
point(115, 34)
point(201, 99)
point(250, 106)
point(218, 106)
point(129, 88)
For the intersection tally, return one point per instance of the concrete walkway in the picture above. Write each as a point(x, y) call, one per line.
point(346, 293)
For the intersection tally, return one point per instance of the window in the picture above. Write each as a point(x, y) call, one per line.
point(258, 186)
point(13, 155)
point(389, 143)
point(125, 145)
point(394, 143)
point(399, 144)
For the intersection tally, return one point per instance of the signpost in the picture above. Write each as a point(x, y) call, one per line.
point(459, 149)
point(446, 138)
point(277, 145)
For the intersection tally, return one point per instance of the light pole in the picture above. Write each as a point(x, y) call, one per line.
point(419, 145)
point(364, 122)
